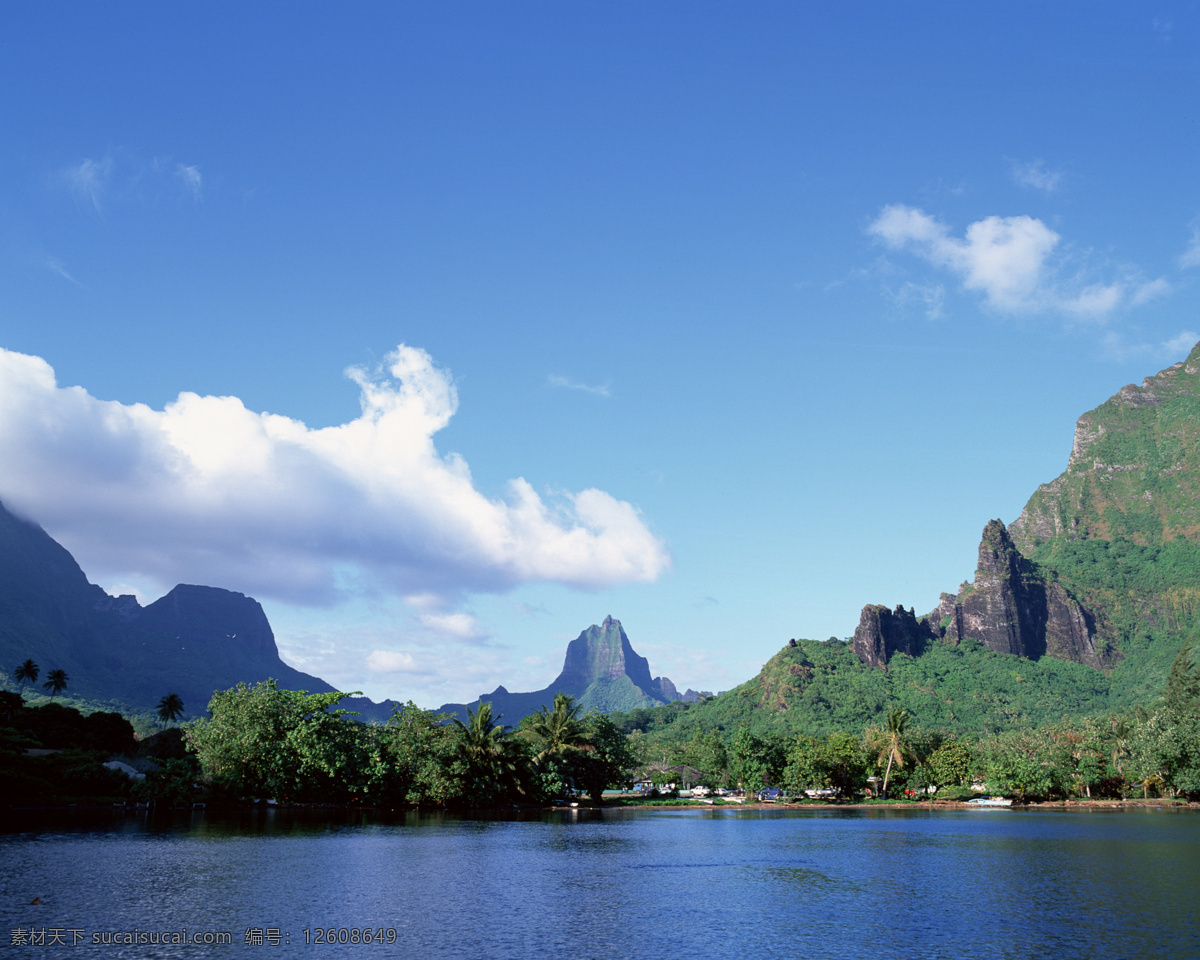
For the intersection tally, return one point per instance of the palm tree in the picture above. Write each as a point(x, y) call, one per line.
point(558, 731)
point(170, 708)
point(56, 681)
point(489, 755)
point(27, 672)
point(892, 743)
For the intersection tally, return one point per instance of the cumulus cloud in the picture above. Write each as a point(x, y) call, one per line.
point(1005, 259)
point(206, 491)
point(1034, 174)
point(604, 390)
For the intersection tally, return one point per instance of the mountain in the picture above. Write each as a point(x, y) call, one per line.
point(1079, 607)
point(601, 670)
point(191, 642)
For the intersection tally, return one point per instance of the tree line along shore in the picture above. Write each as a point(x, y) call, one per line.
point(260, 742)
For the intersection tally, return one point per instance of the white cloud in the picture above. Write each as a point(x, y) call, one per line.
point(1008, 261)
point(1034, 174)
point(206, 491)
point(391, 661)
point(454, 626)
point(601, 391)
point(190, 175)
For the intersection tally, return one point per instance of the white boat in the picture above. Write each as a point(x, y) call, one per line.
point(989, 802)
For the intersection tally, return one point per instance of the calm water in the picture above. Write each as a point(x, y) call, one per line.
point(692, 884)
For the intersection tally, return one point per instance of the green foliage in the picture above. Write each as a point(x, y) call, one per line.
point(606, 760)
point(288, 744)
point(421, 758)
point(755, 761)
point(950, 764)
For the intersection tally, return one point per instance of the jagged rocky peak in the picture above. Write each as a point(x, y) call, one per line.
point(882, 632)
point(1012, 608)
point(602, 653)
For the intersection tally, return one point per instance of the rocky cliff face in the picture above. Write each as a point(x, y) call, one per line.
point(1011, 607)
point(1049, 585)
point(882, 632)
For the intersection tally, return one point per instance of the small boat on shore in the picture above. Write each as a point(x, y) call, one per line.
point(989, 802)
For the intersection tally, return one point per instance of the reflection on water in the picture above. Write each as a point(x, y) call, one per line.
point(1001, 884)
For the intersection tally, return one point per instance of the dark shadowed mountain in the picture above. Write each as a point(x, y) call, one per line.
point(193, 641)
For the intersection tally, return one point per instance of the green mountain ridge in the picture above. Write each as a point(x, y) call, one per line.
point(1079, 608)
point(601, 671)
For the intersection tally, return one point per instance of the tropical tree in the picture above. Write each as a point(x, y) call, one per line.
point(492, 758)
point(891, 742)
point(27, 672)
point(607, 760)
point(170, 708)
point(559, 732)
point(56, 681)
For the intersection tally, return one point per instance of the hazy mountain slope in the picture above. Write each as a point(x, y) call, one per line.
point(601, 670)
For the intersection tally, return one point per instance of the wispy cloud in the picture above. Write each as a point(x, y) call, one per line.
point(190, 175)
point(1035, 174)
point(46, 261)
point(600, 391)
point(88, 181)
point(206, 491)
point(118, 177)
point(1191, 256)
point(1008, 260)
point(1151, 290)
point(928, 298)
point(1118, 347)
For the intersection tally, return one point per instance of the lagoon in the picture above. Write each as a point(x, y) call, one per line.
point(631, 883)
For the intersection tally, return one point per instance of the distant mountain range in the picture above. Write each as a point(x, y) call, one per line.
point(601, 671)
point(197, 639)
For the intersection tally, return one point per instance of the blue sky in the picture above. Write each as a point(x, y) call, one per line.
point(446, 331)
